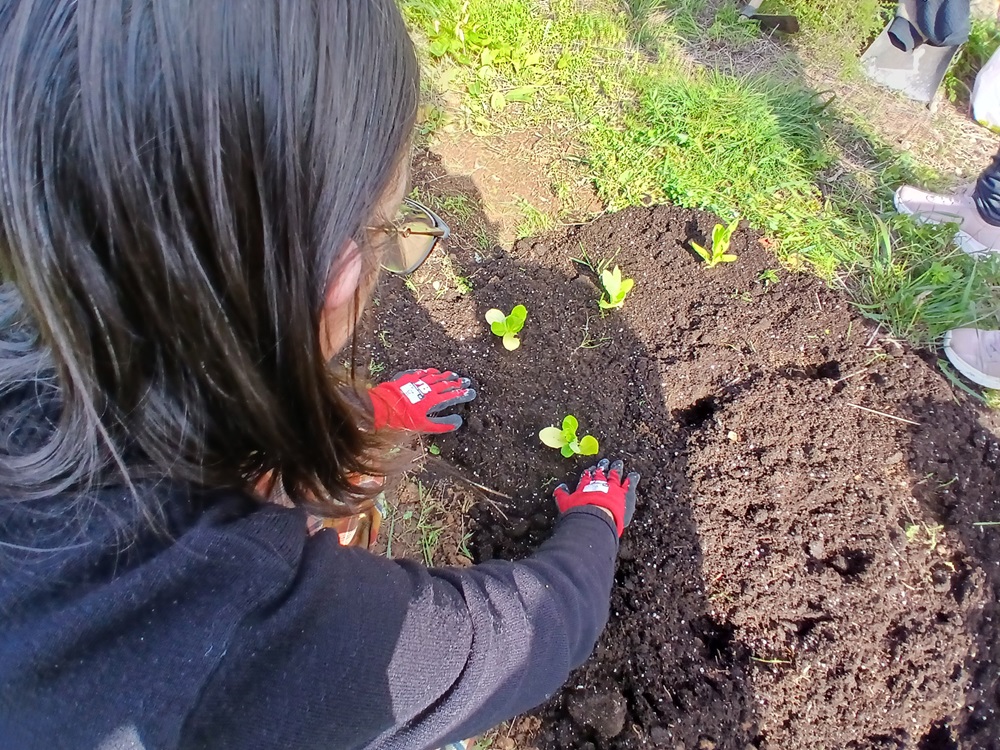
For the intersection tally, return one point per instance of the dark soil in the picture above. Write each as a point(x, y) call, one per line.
point(801, 573)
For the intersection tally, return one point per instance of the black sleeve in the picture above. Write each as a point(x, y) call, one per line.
point(359, 651)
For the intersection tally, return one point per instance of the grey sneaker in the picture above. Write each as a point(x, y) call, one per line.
point(975, 354)
point(976, 236)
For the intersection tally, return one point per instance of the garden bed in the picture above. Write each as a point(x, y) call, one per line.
point(802, 572)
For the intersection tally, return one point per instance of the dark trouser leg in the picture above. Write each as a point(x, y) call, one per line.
point(988, 192)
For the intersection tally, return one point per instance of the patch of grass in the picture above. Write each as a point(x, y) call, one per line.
point(514, 68)
point(919, 286)
point(460, 207)
point(711, 141)
point(984, 40)
point(534, 221)
point(429, 525)
point(836, 32)
point(654, 128)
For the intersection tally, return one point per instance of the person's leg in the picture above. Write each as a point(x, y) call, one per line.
point(976, 211)
point(987, 193)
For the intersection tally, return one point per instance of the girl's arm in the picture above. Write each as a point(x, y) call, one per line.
point(357, 651)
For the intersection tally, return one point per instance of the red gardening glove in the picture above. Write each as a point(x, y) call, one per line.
point(605, 489)
point(412, 399)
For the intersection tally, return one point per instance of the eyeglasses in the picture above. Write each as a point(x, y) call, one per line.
point(418, 230)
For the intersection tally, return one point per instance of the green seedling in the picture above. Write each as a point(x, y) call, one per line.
point(508, 326)
point(565, 439)
point(768, 277)
point(615, 287)
point(434, 450)
point(721, 237)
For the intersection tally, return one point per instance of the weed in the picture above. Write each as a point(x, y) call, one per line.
point(597, 268)
point(589, 342)
point(458, 206)
point(768, 277)
point(428, 527)
point(484, 240)
point(615, 287)
point(992, 399)
point(375, 368)
point(721, 238)
point(508, 326)
point(930, 536)
point(534, 221)
point(564, 438)
point(958, 382)
point(434, 450)
point(463, 545)
point(461, 283)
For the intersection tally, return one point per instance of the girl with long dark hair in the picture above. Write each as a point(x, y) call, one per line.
point(196, 198)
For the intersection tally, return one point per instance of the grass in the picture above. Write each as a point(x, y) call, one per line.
point(534, 221)
point(984, 40)
point(653, 127)
point(428, 523)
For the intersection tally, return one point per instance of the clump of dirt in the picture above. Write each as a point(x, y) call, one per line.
point(803, 570)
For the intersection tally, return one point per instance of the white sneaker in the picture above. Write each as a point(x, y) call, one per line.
point(975, 236)
point(975, 354)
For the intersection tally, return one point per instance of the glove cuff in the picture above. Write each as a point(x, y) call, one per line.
point(582, 500)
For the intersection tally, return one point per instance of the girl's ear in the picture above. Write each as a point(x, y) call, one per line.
point(345, 283)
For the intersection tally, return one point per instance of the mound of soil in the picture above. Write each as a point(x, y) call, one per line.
point(803, 570)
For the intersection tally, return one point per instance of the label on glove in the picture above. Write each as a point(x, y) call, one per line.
point(415, 391)
point(597, 486)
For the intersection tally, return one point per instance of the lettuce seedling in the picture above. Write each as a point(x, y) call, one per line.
point(565, 439)
point(615, 287)
point(508, 326)
point(721, 237)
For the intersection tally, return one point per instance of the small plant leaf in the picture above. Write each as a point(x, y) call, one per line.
point(569, 427)
point(728, 258)
point(499, 329)
point(434, 450)
point(520, 312)
point(705, 255)
point(589, 446)
point(498, 101)
point(718, 236)
point(495, 316)
point(627, 285)
point(610, 282)
point(605, 305)
point(511, 342)
point(552, 437)
point(567, 451)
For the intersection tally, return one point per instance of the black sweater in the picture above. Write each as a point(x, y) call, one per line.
point(243, 632)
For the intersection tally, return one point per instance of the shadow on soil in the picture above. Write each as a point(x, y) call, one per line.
point(954, 457)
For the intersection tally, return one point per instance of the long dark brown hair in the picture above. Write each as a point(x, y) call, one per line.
point(178, 179)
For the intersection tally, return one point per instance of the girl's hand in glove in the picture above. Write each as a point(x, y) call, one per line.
point(605, 489)
point(413, 400)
